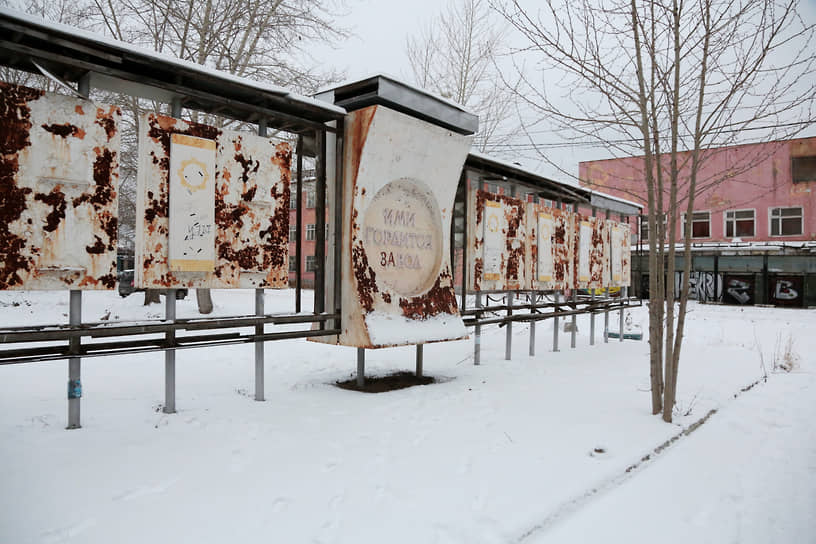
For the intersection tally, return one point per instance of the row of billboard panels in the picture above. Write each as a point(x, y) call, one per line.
point(520, 245)
point(211, 204)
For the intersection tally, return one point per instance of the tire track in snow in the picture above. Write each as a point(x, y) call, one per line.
point(573, 505)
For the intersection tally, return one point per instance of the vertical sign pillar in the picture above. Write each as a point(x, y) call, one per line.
point(477, 333)
point(74, 362)
point(170, 316)
point(170, 354)
point(259, 311)
point(592, 301)
point(508, 343)
point(574, 330)
point(556, 309)
point(75, 318)
point(360, 367)
point(532, 324)
point(419, 360)
point(606, 308)
point(623, 292)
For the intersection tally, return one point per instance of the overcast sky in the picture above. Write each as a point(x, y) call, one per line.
point(381, 29)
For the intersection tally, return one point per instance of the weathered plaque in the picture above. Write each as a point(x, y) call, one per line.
point(212, 207)
point(551, 248)
point(192, 204)
point(58, 191)
point(593, 253)
point(497, 237)
point(494, 242)
point(403, 232)
point(544, 262)
point(400, 178)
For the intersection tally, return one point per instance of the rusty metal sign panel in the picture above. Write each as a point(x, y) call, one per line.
point(551, 247)
point(58, 191)
point(399, 183)
point(499, 240)
point(592, 270)
point(619, 254)
point(229, 194)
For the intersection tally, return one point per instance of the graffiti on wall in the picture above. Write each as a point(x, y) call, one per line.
point(701, 285)
point(786, 290)
point(739, 289)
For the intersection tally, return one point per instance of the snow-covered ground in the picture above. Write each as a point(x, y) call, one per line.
point(535, 449)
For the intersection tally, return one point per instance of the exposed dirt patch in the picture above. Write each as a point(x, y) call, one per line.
point(391, 382)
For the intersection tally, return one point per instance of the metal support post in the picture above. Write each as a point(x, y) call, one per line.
point(360, 367)
point(592, 319)
point(259, 347)
point(477, 333)
point(508, 342)
point(419, 360)
point(557, 296)
point(606, 318)
point(533, 324)
point(620, 325)
point(170, 355)
point(259, 311)
point(299, 223)
point(74, 363)
point(574, 331)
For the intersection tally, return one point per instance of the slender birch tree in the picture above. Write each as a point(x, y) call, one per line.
point(668, 80)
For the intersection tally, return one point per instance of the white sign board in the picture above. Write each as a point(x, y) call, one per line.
point(546, 228)
point(584, 244)
point(192, 204)
point(616, 257)
point(494, 240)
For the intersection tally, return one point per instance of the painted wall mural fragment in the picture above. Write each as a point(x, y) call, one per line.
point(739, 289)
point(786, 291)
point(212, 207)
point(59, 175)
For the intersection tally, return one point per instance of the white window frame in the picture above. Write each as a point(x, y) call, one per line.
point(292, 263)
point(311, 263)
point(292, 233)
point(683, 225)
point(780, 235)
point(311, 198)
point(645, 224)
point(293, 200)
point(311, 232)
point(725, 222)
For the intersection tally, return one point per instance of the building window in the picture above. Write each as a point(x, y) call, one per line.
point(700, 225)
point(292, 232)
point(803, 169)
point(786, 221)
point(310, 263)
point(310, 199)
point(293, 200)
point(740, 223)
point(310, 231)
point(644, 228)
point(292, 264)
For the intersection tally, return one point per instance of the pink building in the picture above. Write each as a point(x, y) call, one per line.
point(750, 193)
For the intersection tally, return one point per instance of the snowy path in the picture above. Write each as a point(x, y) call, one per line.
point(747, 475)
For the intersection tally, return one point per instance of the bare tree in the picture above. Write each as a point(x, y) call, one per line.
point(669, 79)
point(456, 56)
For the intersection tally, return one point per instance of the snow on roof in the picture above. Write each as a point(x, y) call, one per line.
point(743, 246)
point(507, 164)
point(615, 198)
point(164, 58)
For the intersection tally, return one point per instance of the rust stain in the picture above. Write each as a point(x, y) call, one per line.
point(438, 300)
point(78, 109)
point(55, 199)
point(357, 132)
point(64, 130)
